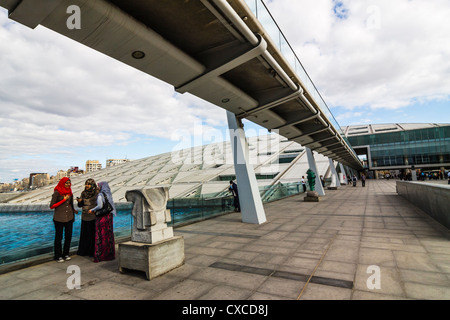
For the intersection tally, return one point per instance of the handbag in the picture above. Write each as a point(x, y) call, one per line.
point(106, 209)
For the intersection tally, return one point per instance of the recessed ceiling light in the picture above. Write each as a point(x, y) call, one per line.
point(225, 100)
point(138, 54)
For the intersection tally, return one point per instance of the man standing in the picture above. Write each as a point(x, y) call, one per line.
point(234, 190)
point(303, 183)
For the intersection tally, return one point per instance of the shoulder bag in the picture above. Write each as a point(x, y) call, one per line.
point(106, 209)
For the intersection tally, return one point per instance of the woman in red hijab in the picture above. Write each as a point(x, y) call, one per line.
point(64, 216)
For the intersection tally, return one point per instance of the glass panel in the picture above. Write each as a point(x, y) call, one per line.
point(28, 234)
point(21, 241)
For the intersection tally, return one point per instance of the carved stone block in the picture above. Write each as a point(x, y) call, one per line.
point(150, 215)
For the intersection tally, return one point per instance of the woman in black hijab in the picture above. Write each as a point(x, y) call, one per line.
point(87, 201)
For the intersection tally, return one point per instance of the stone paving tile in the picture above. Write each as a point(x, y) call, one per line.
point(423, 291)
point(224, 292)
point(320, 292)
point(289, 289)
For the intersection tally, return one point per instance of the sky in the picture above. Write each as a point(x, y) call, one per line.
point(62, 103)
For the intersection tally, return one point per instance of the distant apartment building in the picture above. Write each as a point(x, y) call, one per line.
point(114, 162)
point(39, 180)
point(93, 165)
point(60, 174)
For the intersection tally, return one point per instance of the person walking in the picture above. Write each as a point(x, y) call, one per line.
point(104, 248)
point(87, 201)
point(303, 182)
point(354, 180)
point(363, 180)
point(234, 190)
point(63, 218)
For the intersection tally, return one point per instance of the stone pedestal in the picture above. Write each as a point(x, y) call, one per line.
point(154, 259)
point(153, 248)
point(312, 196)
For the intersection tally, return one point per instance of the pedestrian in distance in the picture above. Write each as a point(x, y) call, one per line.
point(354, 180)
point(363, 180)
point(87, 201)
point(303, 182)
point(234, 190)
point(63, 218)
point(104, 248)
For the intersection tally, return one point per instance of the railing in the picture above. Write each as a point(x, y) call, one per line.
point(27, 231)
point(263, 15)
point(189, 210)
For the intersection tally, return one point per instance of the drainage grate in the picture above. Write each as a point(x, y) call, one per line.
point(249, 236)
point(283, 274)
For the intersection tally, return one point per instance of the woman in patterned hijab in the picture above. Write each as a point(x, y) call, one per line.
point(104, 231)
point(87, 201)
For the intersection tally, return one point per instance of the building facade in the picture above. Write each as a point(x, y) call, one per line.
point(398, 148)
point(93, 165)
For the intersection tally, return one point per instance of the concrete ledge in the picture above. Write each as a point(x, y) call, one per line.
point(153, 259)
point(434, 199)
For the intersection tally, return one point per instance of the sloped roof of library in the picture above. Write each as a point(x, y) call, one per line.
point(204, 170)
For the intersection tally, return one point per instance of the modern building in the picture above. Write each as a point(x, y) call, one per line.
point(399, 147)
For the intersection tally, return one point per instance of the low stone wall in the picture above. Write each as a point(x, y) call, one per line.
point(434, 199)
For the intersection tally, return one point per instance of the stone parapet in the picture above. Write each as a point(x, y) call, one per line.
point(434, 199)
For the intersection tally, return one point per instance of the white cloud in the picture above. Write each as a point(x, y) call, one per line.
point(57, 95)
point(382, 54)
point(53, 83)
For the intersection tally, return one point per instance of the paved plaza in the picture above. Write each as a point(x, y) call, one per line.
point(356, 243)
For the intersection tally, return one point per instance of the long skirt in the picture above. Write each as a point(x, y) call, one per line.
point(86, 245)
point(104, 239)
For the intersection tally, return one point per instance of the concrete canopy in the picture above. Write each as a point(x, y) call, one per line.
point(214, 49)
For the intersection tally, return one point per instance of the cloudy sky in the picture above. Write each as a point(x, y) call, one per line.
point(62, 103)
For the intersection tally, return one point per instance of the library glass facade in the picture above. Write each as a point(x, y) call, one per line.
point(427, 147)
